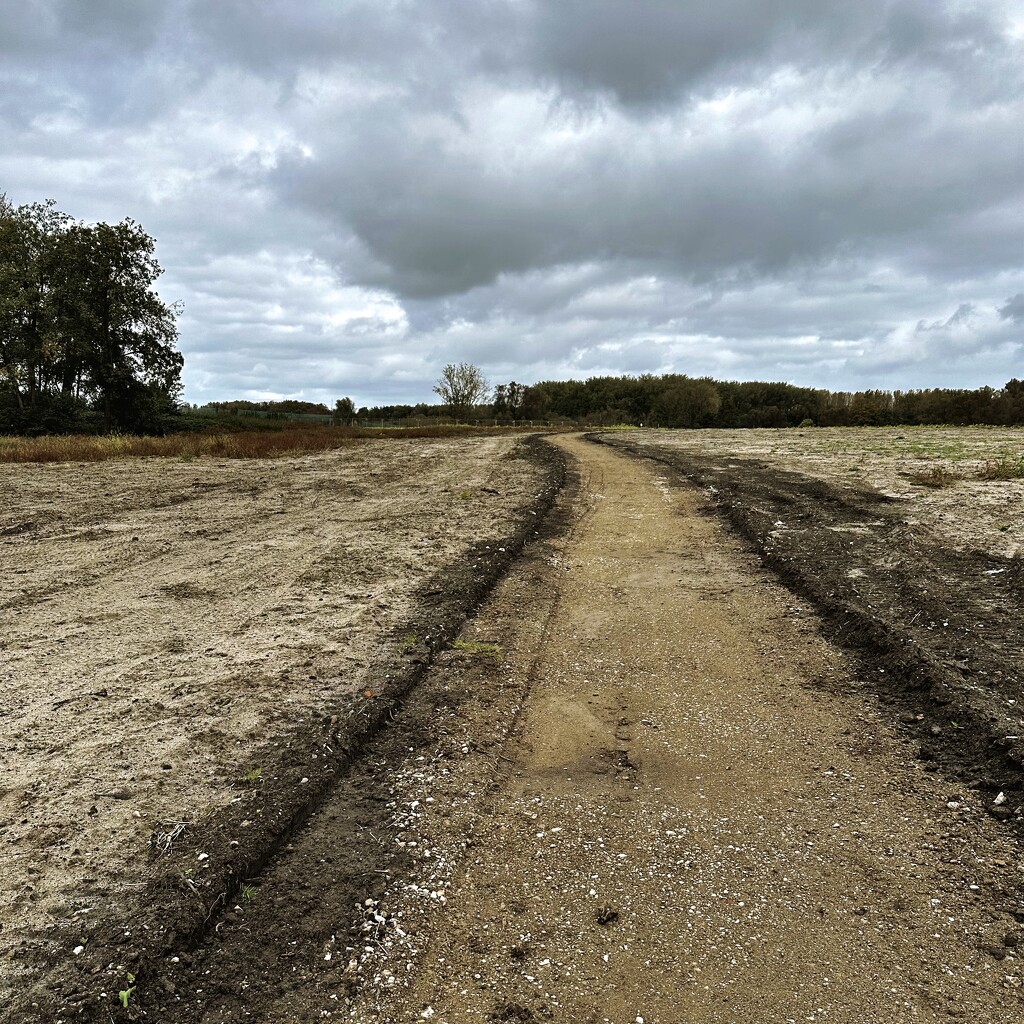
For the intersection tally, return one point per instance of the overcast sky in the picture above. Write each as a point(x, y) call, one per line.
point(346, 195)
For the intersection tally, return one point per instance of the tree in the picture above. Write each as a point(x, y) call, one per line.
point(80, 323)
point(344, 412)
point(461, 388)
point(686, 403)
point(508, 400)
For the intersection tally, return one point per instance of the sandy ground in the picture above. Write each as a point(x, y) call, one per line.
point(698, 816)
point(969, 512)
point(646, 790)
point(160, 619)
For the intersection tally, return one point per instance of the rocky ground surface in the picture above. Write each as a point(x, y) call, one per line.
point(648, 784)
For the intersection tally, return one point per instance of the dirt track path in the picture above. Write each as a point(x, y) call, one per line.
point(700, 816)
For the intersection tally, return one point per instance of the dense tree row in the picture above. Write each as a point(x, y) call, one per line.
point(86, 343)
point(679, 401)
point(84, 338)
point(242, 407)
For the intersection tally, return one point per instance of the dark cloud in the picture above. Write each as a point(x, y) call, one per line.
point(1013, 308)
point(347, 195)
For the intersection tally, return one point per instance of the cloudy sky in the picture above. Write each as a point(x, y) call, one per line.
point(347, 194)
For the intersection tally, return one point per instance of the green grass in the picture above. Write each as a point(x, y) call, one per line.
point(476, 647)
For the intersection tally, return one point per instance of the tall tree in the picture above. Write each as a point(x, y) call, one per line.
point(344, 411)
point(461, 388)
point(508, 400)
point(80, 320)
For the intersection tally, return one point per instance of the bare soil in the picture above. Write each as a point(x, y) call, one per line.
point(703, 813)
point(965, 511)
point(651, 784)
point(167, 630)
point(939, 626)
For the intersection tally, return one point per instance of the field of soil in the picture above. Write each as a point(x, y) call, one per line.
point(928, 590)
point(966, 511)
point(735, 737)
point(167, 627)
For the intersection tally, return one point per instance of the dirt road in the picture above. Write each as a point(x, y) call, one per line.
point(644, 788)
point(697, 820)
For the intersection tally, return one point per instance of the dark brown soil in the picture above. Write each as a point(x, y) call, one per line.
point(939, 631)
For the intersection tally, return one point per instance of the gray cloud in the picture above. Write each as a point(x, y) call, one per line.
point(347, 195)
point(1013, 308)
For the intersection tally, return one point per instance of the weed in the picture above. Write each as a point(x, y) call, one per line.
point(249, 892)
point(410, 642)
point(936, 476)
point(1006, 467)
point(253, 777)
point(464, 496)
point(164, 836)
point(476, 647)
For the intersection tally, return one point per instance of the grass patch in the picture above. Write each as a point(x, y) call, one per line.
point(222, 445)
point(1006, 467)
point(410, 642)
point(475, 647)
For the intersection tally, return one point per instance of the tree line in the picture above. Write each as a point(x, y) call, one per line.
point(86, 344)
point(85, 341)
point(676, 400)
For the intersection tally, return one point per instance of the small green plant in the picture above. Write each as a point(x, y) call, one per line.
point(1006, 467)
point(476, 647)
point(410, 642)
point(935, 476)
point(126, 993)
point(463, 495)
point(253, 777)
point(249, 892)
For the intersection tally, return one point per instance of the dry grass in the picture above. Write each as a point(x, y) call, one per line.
point(247, 445)
point(935, 476)
point(1004, 468)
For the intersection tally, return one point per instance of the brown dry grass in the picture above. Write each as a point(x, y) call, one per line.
point(226, 445)
point(934, 476)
